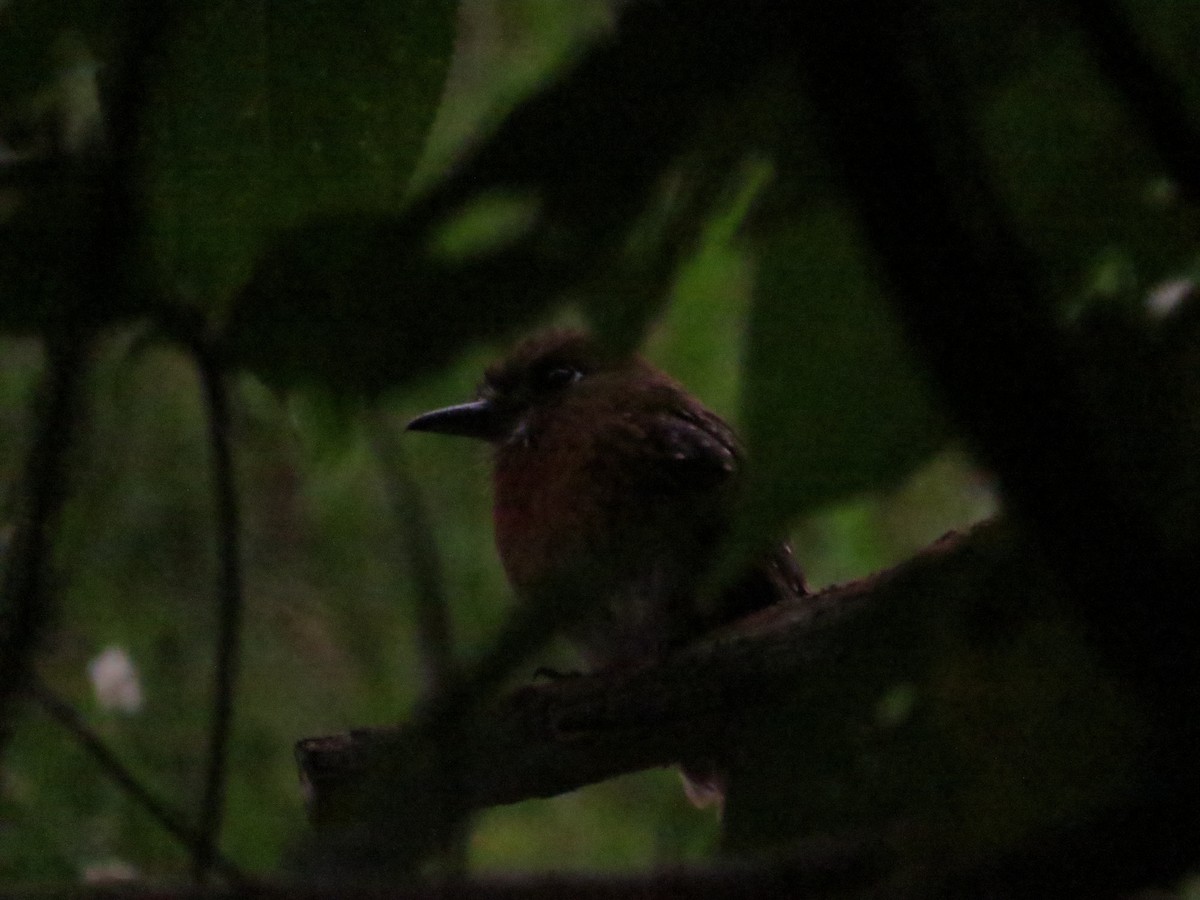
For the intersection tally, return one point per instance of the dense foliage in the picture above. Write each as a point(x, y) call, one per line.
point(933, 258)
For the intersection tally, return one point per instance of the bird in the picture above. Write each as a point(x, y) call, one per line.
point(613, 489)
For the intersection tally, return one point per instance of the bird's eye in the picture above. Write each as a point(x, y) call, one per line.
point(559, 376)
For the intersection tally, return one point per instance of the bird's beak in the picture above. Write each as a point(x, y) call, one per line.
point(477, 419)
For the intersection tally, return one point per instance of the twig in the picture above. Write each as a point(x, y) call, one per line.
point(170, 820)
point(229, 605)
point(69, 335)
point(24, 592)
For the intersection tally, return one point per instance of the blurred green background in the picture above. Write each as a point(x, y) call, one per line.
point(329, 641)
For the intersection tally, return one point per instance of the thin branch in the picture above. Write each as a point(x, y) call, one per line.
point(24, 594)
point(171, 821)
point(229, 605)
point(127, 101)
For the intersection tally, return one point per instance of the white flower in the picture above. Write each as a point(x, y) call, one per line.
point(1166, 297)
point(115, 681)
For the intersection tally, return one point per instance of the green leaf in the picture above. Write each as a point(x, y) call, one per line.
point(269, 112)
point(354, 304)
point(833, 403)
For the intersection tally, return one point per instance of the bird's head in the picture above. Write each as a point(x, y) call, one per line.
point(539, 376)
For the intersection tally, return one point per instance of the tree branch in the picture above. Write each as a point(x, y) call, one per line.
point(546, 739)
point(827, 657)
point(24, 594)
point(170, 820)
point(229, 605)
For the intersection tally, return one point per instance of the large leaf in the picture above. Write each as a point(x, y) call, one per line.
point(351, 304)
point(603, 162)
point(268, 112)
point(833, 402)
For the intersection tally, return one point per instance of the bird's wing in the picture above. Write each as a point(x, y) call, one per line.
point(689, 450)
point(694, 450)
